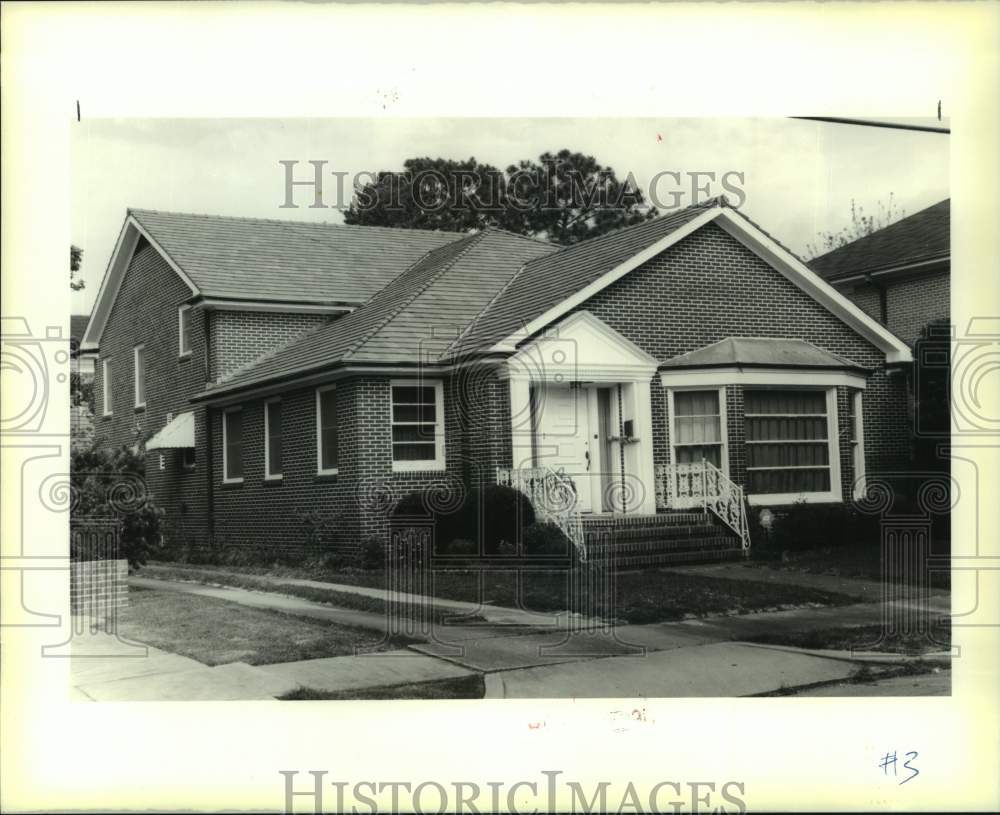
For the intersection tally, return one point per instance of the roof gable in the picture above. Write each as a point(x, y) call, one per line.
point(558, 283)
point(245, 260)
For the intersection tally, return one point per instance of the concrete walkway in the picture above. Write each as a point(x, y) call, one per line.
point(497, 615)
point(700, 657)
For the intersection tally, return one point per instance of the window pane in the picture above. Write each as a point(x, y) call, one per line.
point(414, 413)
point(234, 445)
point(696, 403)
point(413, 432)
point(694, 454)
point(328, 430)
point(106, 385)
point(413, 452)
point(406, 394)
point(140, 376)
point(787, 449)
point(274, 438)
point(185, 325)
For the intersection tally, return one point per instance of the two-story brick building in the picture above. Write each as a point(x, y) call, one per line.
point(276, 368)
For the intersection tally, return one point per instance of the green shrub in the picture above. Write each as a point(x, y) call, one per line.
point(461, 547)
point(108, 484)
point(803, 526)
point(371, 556)
point(494, 513)
point(545, 538)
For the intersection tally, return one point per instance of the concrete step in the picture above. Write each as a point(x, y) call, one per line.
point(652, 560)
point(639, 534)
point(659, 520)
point(652, 547)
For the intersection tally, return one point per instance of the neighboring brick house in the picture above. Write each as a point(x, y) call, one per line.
point(79, 363)
point(278, 368)
point(899, 275)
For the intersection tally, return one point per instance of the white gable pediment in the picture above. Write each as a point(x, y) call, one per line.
point(581, 348)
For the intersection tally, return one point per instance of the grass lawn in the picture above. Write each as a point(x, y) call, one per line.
point(466, 687)
point(863, 638)
point(640, 597)
point(853, 561)
point(216, 632)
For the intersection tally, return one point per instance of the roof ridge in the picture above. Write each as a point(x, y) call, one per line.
point(716, 201)
point(290, 222)
point(472, 240)
point(555, 247)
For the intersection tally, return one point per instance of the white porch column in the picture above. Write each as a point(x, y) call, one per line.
point(644, 429)
point(520, 421)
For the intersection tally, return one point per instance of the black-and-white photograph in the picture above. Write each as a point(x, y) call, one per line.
point(493, 409)
point(506, 407)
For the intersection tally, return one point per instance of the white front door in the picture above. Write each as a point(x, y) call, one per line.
point(563, 437)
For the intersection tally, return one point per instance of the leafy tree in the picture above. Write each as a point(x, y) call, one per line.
point(860, 226)
point(563, 197)
point(75, 261)
point(569, 197)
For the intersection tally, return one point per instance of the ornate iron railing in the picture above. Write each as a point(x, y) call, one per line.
point(553, 495)
point(686, 485)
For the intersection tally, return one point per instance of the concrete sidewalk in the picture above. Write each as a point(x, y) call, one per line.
point(701, 657)
point(497, 615)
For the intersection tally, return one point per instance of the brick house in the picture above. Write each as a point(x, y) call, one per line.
point(276, 368)
point(899, 275)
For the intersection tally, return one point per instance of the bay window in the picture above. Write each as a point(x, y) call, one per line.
point(791, 443)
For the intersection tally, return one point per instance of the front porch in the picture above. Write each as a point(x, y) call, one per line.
point(700, 515)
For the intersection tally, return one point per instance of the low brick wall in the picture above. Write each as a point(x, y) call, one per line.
point(98, 587)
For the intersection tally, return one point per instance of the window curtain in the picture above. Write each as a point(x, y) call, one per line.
point(698, 427)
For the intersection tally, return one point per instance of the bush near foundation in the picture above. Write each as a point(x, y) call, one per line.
point(495, 513)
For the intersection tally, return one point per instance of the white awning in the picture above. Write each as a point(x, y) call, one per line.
point(178, 433)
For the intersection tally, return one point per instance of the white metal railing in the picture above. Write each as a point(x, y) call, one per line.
point(685, 485)
point(553, 495)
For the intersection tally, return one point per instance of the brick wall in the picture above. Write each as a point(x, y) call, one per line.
point(914, 303)
point(910, 304)
point(239, 338)
point(708, 287)
point(357, 500)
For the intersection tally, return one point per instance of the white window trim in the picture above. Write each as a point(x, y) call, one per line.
point(319, 435)
point(860, 484)
point(268, 476)
point(438, 462)
point(723, 427)
point(107, 404)
point(135, 373)
point(835, 494)
point(225, 456)
point(181, 311)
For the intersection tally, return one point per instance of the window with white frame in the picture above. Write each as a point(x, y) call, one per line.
point(327, 452)
point(856, 431)
point(106, 386)
point(232, 446)
point(697, 427)
point(189, 459)
point(272, 439)
point(417, 425)
point(139, 375)
point(788, 441)
point(184, 330)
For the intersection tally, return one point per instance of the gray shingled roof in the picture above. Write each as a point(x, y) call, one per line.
point(287, 261)
point(759, 352)
point(547, 281)
point(925, 235)
point(413, 319)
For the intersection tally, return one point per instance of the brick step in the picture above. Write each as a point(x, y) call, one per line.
point(660, 520)
point(671, 558)
point(652, 533)
point(652, 547)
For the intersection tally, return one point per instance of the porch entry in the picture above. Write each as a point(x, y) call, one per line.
point(585, 430)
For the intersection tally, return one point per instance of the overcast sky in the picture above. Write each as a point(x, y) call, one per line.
point(799, 176)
